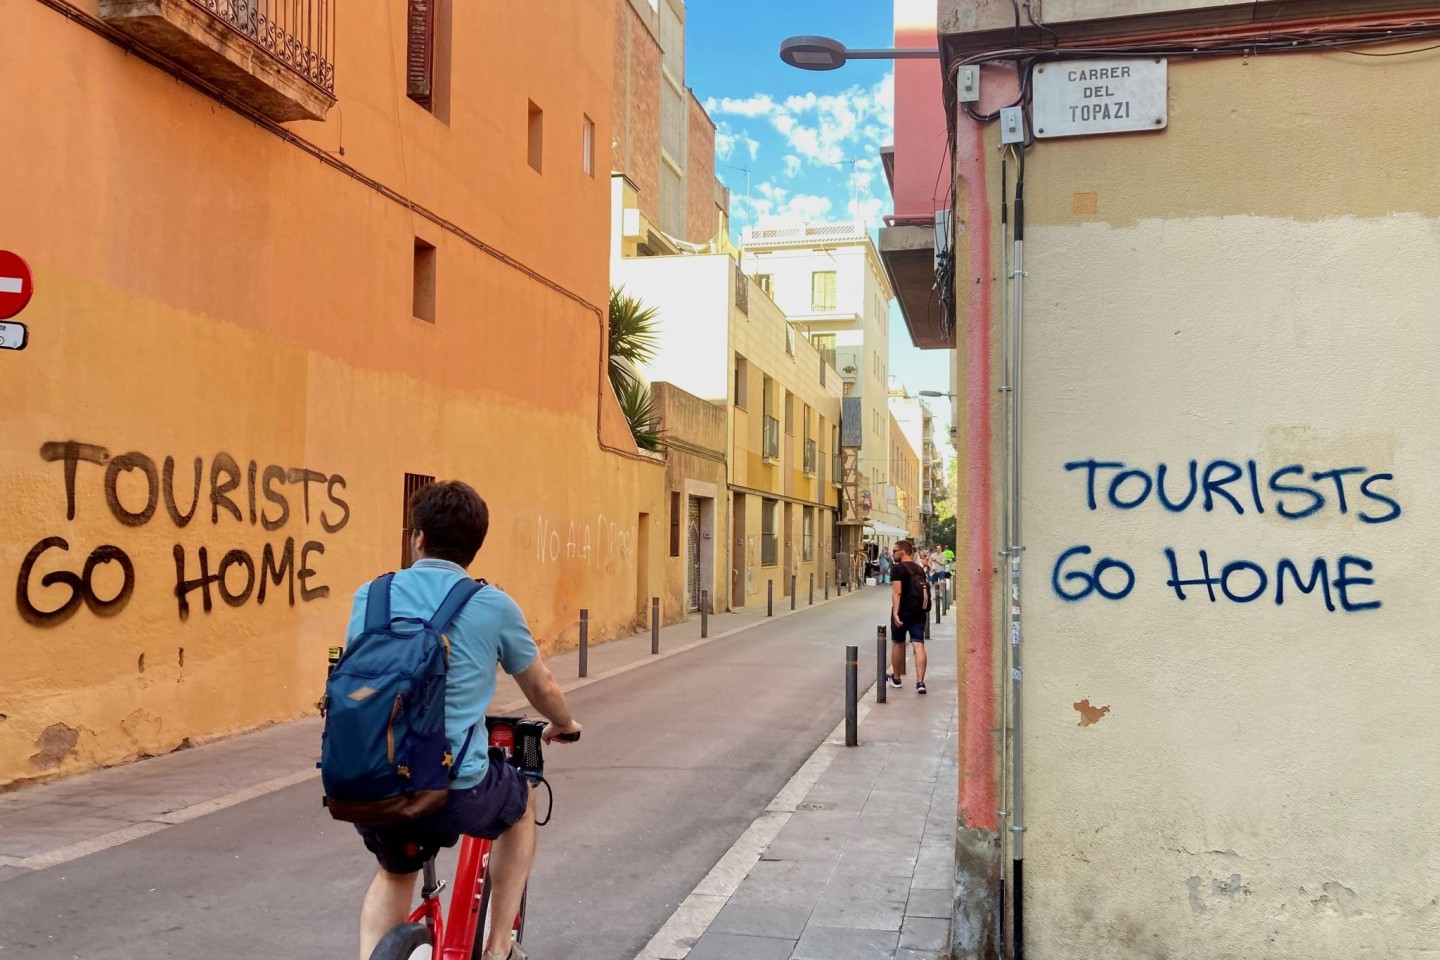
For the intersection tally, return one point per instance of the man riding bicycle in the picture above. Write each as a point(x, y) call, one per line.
point(488, 797)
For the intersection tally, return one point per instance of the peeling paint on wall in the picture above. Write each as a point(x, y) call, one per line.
point(55, 743)
point(1088, 714)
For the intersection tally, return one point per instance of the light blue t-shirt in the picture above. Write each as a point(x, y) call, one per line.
point(489, 630)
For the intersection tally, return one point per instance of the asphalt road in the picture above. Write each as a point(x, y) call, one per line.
point(678, 758)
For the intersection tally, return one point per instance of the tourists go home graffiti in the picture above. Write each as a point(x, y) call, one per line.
point(1294, 492)
point(221, 493)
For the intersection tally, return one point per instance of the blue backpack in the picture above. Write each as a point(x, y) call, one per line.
point(384, 756)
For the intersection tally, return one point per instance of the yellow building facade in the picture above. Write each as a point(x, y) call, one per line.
point(253, 336)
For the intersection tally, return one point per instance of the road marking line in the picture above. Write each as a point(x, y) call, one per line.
point(186, 814)
point(144, 828)
point(11, 284)
point(675, 939)
point(84, 848)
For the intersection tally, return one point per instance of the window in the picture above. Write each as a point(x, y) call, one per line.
point(770, 437)
point(536, 143)
point(790, 340)
point(422, 293)
point(414, 483)
point(587, 146)
point(420, 52)
point(742, 381)
point(674, 523)
point(789, 414)
point(766, 282)
point(822, 290)
point(807, 535)
point(769, 540)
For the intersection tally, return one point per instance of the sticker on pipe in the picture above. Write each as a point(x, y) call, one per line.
point(1078, 98)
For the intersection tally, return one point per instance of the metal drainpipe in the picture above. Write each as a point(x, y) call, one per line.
point(1017, 805)
point(1005, 395)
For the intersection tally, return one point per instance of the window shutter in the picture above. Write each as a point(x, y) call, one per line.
point(420, 58)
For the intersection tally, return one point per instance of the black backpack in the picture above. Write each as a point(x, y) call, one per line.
point(917, 591)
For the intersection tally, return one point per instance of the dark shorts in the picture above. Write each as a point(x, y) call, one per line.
point(486, 810)
point(915, 629)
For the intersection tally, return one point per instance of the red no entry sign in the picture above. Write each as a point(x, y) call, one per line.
point(16, 284)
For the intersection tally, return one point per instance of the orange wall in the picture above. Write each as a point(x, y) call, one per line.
point(205, 288)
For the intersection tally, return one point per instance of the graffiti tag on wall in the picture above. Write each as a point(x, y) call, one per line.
point(1293, 492)
point(226, 493)
point(604, 542)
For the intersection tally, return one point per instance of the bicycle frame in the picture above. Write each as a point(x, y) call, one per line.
point(465, 900)
point(464, 918)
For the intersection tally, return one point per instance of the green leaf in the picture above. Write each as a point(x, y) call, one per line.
point(635, 403)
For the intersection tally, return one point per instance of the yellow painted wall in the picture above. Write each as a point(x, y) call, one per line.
point(1235, 776)
point(205, 288)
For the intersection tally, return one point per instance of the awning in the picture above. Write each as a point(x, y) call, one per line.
point(885, 530)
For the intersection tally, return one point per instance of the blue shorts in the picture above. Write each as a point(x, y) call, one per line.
point(915, 629)
point(486, 810)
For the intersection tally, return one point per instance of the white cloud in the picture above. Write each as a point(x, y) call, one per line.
point(757, 106)
point(792, 165)
point(727, 141)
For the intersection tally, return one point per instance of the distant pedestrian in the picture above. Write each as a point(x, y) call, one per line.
point(936, 566)
point(909, 609)
point(884, 567)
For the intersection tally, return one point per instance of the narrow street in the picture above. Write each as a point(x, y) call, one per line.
point(679, 757)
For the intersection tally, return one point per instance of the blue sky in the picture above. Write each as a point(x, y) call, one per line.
point(798, 144)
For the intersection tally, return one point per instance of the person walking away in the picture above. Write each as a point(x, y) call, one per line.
point(884, 566)
point(487, 797)
point(909, 607)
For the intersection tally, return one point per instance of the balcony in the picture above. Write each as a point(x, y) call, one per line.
point(810, 457)
point(836, 469)
point(771, 448)
point(276, 56)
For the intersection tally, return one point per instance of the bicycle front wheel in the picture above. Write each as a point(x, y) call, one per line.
point(408, 941)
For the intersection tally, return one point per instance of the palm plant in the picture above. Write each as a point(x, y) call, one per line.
point(632, 341)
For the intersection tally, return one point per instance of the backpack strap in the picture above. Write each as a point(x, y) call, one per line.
point(377, 603)
point(464, 749)
point(453, 603)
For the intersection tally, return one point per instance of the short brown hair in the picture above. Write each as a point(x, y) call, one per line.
point(454, 519)
point(905, 547)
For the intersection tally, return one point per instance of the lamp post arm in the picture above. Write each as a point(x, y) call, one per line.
point(892, 54)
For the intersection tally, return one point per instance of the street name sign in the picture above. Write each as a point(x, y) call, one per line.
point(1077, 98)
point(16, 284)
point(13, 336)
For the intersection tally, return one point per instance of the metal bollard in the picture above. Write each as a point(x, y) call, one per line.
point(584, 643)
point(654, 625)
point(792, 591)
point(704, 614)
point(936, 604)
point(827, 584)
point(927, 628)
point(769, 598)
point(852, 688)
point(880, 670)
point(812, 590)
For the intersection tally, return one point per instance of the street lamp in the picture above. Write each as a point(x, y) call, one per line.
point(935, 393)
point(823, 53)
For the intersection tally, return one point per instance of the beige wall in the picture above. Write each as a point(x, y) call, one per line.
point(1235, 776)
point(695, 433)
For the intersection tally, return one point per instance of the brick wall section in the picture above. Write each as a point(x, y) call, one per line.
point(700, 221)
point(619, 90)
point(642, 151)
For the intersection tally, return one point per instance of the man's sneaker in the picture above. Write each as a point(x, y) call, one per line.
point(920, 686)
point(894, 681)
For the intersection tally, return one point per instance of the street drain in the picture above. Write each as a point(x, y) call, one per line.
point(815, 805)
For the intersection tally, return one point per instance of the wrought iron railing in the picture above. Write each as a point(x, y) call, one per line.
point(771, 449)
point(300, 34)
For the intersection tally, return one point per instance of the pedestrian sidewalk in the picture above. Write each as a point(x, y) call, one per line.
point(47, 824)
point(855, 858)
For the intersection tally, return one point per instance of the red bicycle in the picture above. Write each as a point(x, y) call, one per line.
point(428, 934)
